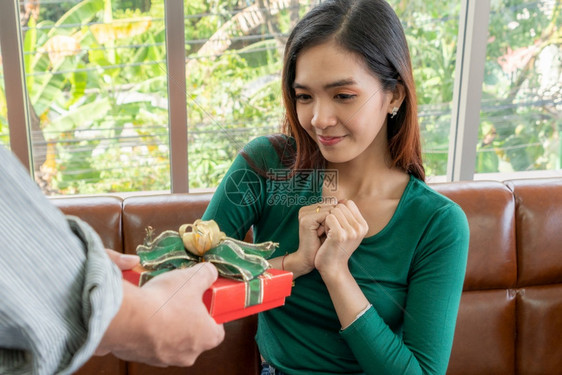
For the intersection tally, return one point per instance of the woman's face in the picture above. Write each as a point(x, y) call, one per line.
point(340, 104)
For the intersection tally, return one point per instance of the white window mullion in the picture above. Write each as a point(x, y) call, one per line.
point(467, 95)
point(177, 110)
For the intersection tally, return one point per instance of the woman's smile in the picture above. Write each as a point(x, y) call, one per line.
point(329, 141)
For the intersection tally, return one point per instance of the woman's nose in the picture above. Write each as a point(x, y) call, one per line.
point(323, 116)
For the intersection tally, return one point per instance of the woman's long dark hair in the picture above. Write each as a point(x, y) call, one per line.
point(370, 29)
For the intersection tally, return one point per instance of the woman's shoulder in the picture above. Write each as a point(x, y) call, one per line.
point(270, 142)
point(270, 150)
point(439, 219)
point(427, 202)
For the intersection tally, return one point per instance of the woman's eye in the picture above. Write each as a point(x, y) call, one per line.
point(302, 97)
point(345, 96)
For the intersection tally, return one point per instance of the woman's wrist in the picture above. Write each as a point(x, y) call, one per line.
point(296, 264)
point(292, 262)
point(334, 275)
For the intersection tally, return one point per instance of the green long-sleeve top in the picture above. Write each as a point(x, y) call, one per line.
point(412, 272)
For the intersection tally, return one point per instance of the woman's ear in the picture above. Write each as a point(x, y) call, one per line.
point(398, 96)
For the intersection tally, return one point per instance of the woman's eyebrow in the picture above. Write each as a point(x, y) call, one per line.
point(339, 83)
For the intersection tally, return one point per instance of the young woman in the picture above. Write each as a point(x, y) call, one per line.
point(378, 257)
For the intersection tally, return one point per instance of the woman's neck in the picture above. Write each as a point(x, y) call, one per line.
point(367, 177)
point(368, 182)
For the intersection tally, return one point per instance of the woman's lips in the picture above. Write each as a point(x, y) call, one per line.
point(329, 141)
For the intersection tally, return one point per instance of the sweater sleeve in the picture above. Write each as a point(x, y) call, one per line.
point(434, 289)
point(59, 289)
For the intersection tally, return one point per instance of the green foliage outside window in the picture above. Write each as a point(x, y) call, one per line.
point(521, 123)
point(97, 82)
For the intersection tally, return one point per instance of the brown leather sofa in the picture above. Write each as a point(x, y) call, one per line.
point(510, 318)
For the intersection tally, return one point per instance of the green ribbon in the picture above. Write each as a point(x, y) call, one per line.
point(254, 292)
point(233, 259)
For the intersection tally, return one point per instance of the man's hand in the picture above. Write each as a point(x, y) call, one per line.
point(164, 323)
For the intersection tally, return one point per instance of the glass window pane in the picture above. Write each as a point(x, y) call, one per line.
point(431, 28)
point(233, 76)
point(234, 56)
point(521, 101)
point(96, 77)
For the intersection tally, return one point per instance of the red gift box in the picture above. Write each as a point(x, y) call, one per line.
point(229, 299)
point(133, 275)
point(226, 299)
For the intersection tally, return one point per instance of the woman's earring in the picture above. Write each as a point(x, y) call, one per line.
point(394, 112)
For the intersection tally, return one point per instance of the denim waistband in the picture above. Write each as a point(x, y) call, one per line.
point(267, 369)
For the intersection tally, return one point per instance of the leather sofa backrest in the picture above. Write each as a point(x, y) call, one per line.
point(538, 218)
point(485, 336)
point(510, 318)
point(103, 213)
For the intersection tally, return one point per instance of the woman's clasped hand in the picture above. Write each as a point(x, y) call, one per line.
point(329, 234)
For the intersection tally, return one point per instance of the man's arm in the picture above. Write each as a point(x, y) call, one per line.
point(60, 292)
